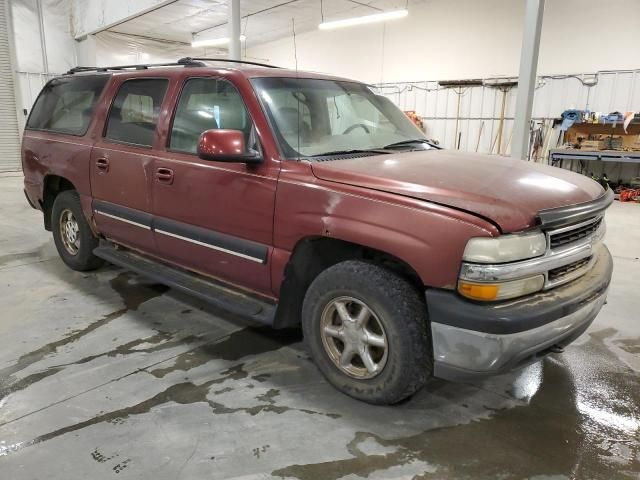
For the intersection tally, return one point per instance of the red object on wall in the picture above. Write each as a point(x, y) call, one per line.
point(415, 118)
point(630, 195)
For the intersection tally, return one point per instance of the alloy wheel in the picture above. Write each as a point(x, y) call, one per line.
point(69, 232)
point(354, 338)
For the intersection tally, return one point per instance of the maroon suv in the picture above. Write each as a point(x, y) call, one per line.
point(298, 198)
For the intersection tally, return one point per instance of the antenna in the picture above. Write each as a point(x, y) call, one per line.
point(295, 47)
point(246, 22)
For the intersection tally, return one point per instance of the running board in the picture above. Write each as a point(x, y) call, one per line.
point(193, 284)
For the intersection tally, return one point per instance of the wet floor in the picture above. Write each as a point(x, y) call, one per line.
point(105, 375)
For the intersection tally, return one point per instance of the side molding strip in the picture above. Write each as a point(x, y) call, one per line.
point(124, 214)
point(146, 227)
point(253, 251)
point(239, 247)
point(213, 247)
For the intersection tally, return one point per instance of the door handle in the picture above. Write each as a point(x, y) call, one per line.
point(164, 175)
point(102, 164)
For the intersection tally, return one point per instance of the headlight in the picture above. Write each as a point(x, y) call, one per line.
point(500, 290)
point(506, 248)
point(502, 249)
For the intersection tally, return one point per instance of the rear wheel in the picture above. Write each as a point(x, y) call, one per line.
point(71, 233)
point(366, 329)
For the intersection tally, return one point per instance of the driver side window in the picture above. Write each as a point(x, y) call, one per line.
point(208, 104)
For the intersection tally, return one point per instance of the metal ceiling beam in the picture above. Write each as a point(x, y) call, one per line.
point(94, 16)
point(257, 12)
point(534, 11)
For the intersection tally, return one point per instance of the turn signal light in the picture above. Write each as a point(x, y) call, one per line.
point(478, 291)
point(500, 290)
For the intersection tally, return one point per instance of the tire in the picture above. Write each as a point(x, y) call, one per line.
point(77, 255)
point(396, 312)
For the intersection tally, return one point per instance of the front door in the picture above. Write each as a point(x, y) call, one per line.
point(122, 164)
point(212, 217)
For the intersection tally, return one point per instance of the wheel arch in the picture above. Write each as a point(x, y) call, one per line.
point(53, 185)
point(312, 255)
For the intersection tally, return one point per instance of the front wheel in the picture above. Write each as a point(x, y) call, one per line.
point(366, 330)
point(71, 233)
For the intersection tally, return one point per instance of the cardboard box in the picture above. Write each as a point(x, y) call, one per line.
point(591, 145)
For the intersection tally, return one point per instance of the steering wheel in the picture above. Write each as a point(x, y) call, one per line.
point(356, 125)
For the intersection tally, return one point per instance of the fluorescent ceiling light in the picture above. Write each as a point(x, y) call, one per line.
point(376, 17)
point(214, 42)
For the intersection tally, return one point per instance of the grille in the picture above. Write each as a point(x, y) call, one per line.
point(570, 236)
point(558, 273)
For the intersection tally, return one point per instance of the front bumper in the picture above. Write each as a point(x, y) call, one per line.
point(472, 340)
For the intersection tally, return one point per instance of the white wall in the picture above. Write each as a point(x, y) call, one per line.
point(33, 66)
point(447, 39)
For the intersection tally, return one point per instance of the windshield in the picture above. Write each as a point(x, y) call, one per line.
point(326, 117)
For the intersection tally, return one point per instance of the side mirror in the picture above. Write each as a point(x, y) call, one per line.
point(225, 146)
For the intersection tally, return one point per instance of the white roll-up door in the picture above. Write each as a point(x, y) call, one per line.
point(9, 135)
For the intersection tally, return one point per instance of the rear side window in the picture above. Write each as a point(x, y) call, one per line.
point(135, 111)
point(66, 105)
point(207, 104)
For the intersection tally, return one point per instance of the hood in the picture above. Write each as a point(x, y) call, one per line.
point(508, 192)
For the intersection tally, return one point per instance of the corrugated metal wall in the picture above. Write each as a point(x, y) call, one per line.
point(31, 83)
point(9, 135)
point(480, 106)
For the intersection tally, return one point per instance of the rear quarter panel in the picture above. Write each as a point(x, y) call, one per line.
point(428, 237)
point(64, 155)
point(67, 156)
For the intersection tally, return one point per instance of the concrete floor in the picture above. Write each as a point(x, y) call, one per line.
point(105, 373)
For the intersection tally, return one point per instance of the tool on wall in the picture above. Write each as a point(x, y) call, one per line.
point(536, 139)
point(506, 147)
point(547, 141)
point(504, 87)
point(479, 135)
point(460, 87)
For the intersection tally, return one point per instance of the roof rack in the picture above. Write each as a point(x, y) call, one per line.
point(183, 62)
point(227, 60)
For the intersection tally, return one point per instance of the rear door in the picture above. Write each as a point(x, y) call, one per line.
point(122, 163)
point(212, 217)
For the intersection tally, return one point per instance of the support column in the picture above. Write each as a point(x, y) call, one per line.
point(43, 42)
point(235, 51)
point(85, 50)
point(527, 78)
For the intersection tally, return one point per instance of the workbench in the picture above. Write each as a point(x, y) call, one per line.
point(617, 165)
point(558, 154)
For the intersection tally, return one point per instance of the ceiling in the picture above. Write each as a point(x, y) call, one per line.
point(262, 20)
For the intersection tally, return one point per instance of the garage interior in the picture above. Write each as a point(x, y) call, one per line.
point(107, 373)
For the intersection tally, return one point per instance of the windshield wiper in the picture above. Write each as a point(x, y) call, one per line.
point(409, 142)
point(347, 152)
